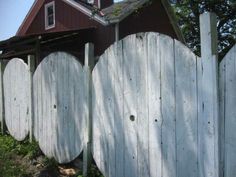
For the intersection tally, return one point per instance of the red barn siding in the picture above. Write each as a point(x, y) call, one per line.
point(69, 18)
point(150, 18)
point(103, 3)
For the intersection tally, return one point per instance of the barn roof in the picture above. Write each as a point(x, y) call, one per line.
point(120, 10)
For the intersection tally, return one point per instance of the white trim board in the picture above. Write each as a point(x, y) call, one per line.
point(86, 11)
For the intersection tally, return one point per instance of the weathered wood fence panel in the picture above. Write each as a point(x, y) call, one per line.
point(228, 112)
point(145, 119)
point(16, 81)
point(59, 106)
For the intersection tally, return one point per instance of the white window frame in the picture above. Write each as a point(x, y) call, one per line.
point(46, 15)
point(90, 1)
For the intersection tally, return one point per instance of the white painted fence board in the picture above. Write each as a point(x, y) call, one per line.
point(222, 115)
point(119, 110)
point(229, 111)
point(108, 149)
point(58, 102)
point(98, 105)
point(186, 112)
point(111, 74)
point(16, 80)
point(199, 110)
point(168, 107)
point(141, 60)
point(130, 107)
point(154, 106)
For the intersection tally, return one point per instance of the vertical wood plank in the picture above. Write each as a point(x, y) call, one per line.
point(154, 106)
point(222, 86)
point(104, 158)
point(110, 94)
point(168, 107)
point(130, 108)
point(141, 60)
point(230, 113)
point(199, 109)
point(97, 122)
point(209, 130)
point(186, 111)
point(119, 111)
point(89, 64)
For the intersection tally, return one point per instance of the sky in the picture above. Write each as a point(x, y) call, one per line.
point(12, 14)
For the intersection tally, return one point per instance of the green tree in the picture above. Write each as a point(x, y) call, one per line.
point(188, 11)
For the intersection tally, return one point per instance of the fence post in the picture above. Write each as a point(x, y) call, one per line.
point(2, 115)
point(88, 67)
point(209, 99)
point(31, 65)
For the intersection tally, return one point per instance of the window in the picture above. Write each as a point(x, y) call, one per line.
point(50, 15)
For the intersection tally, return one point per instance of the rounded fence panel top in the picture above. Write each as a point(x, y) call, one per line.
point(139, 86)
point(59, 107)
point(16, 82)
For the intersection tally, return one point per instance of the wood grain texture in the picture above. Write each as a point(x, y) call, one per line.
point(228, 97)
point(209, 128)
point(58, 85)
point(145, 108)
point(186, 112)
point(16, 81)
point(168, 129)
point(222, 114)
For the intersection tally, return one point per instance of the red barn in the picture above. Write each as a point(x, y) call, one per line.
point(66, 25)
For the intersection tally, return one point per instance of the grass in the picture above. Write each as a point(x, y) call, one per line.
point(11, 153)
point(20, 159)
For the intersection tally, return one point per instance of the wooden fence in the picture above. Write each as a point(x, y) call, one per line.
point(150, 107)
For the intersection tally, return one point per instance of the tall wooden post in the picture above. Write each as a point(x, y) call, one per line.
point(209, 99)
point(31, 65)
point(88, 67)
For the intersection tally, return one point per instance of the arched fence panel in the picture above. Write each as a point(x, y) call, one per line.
point(59, 106)
point(16, 82)
point(145, 108)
